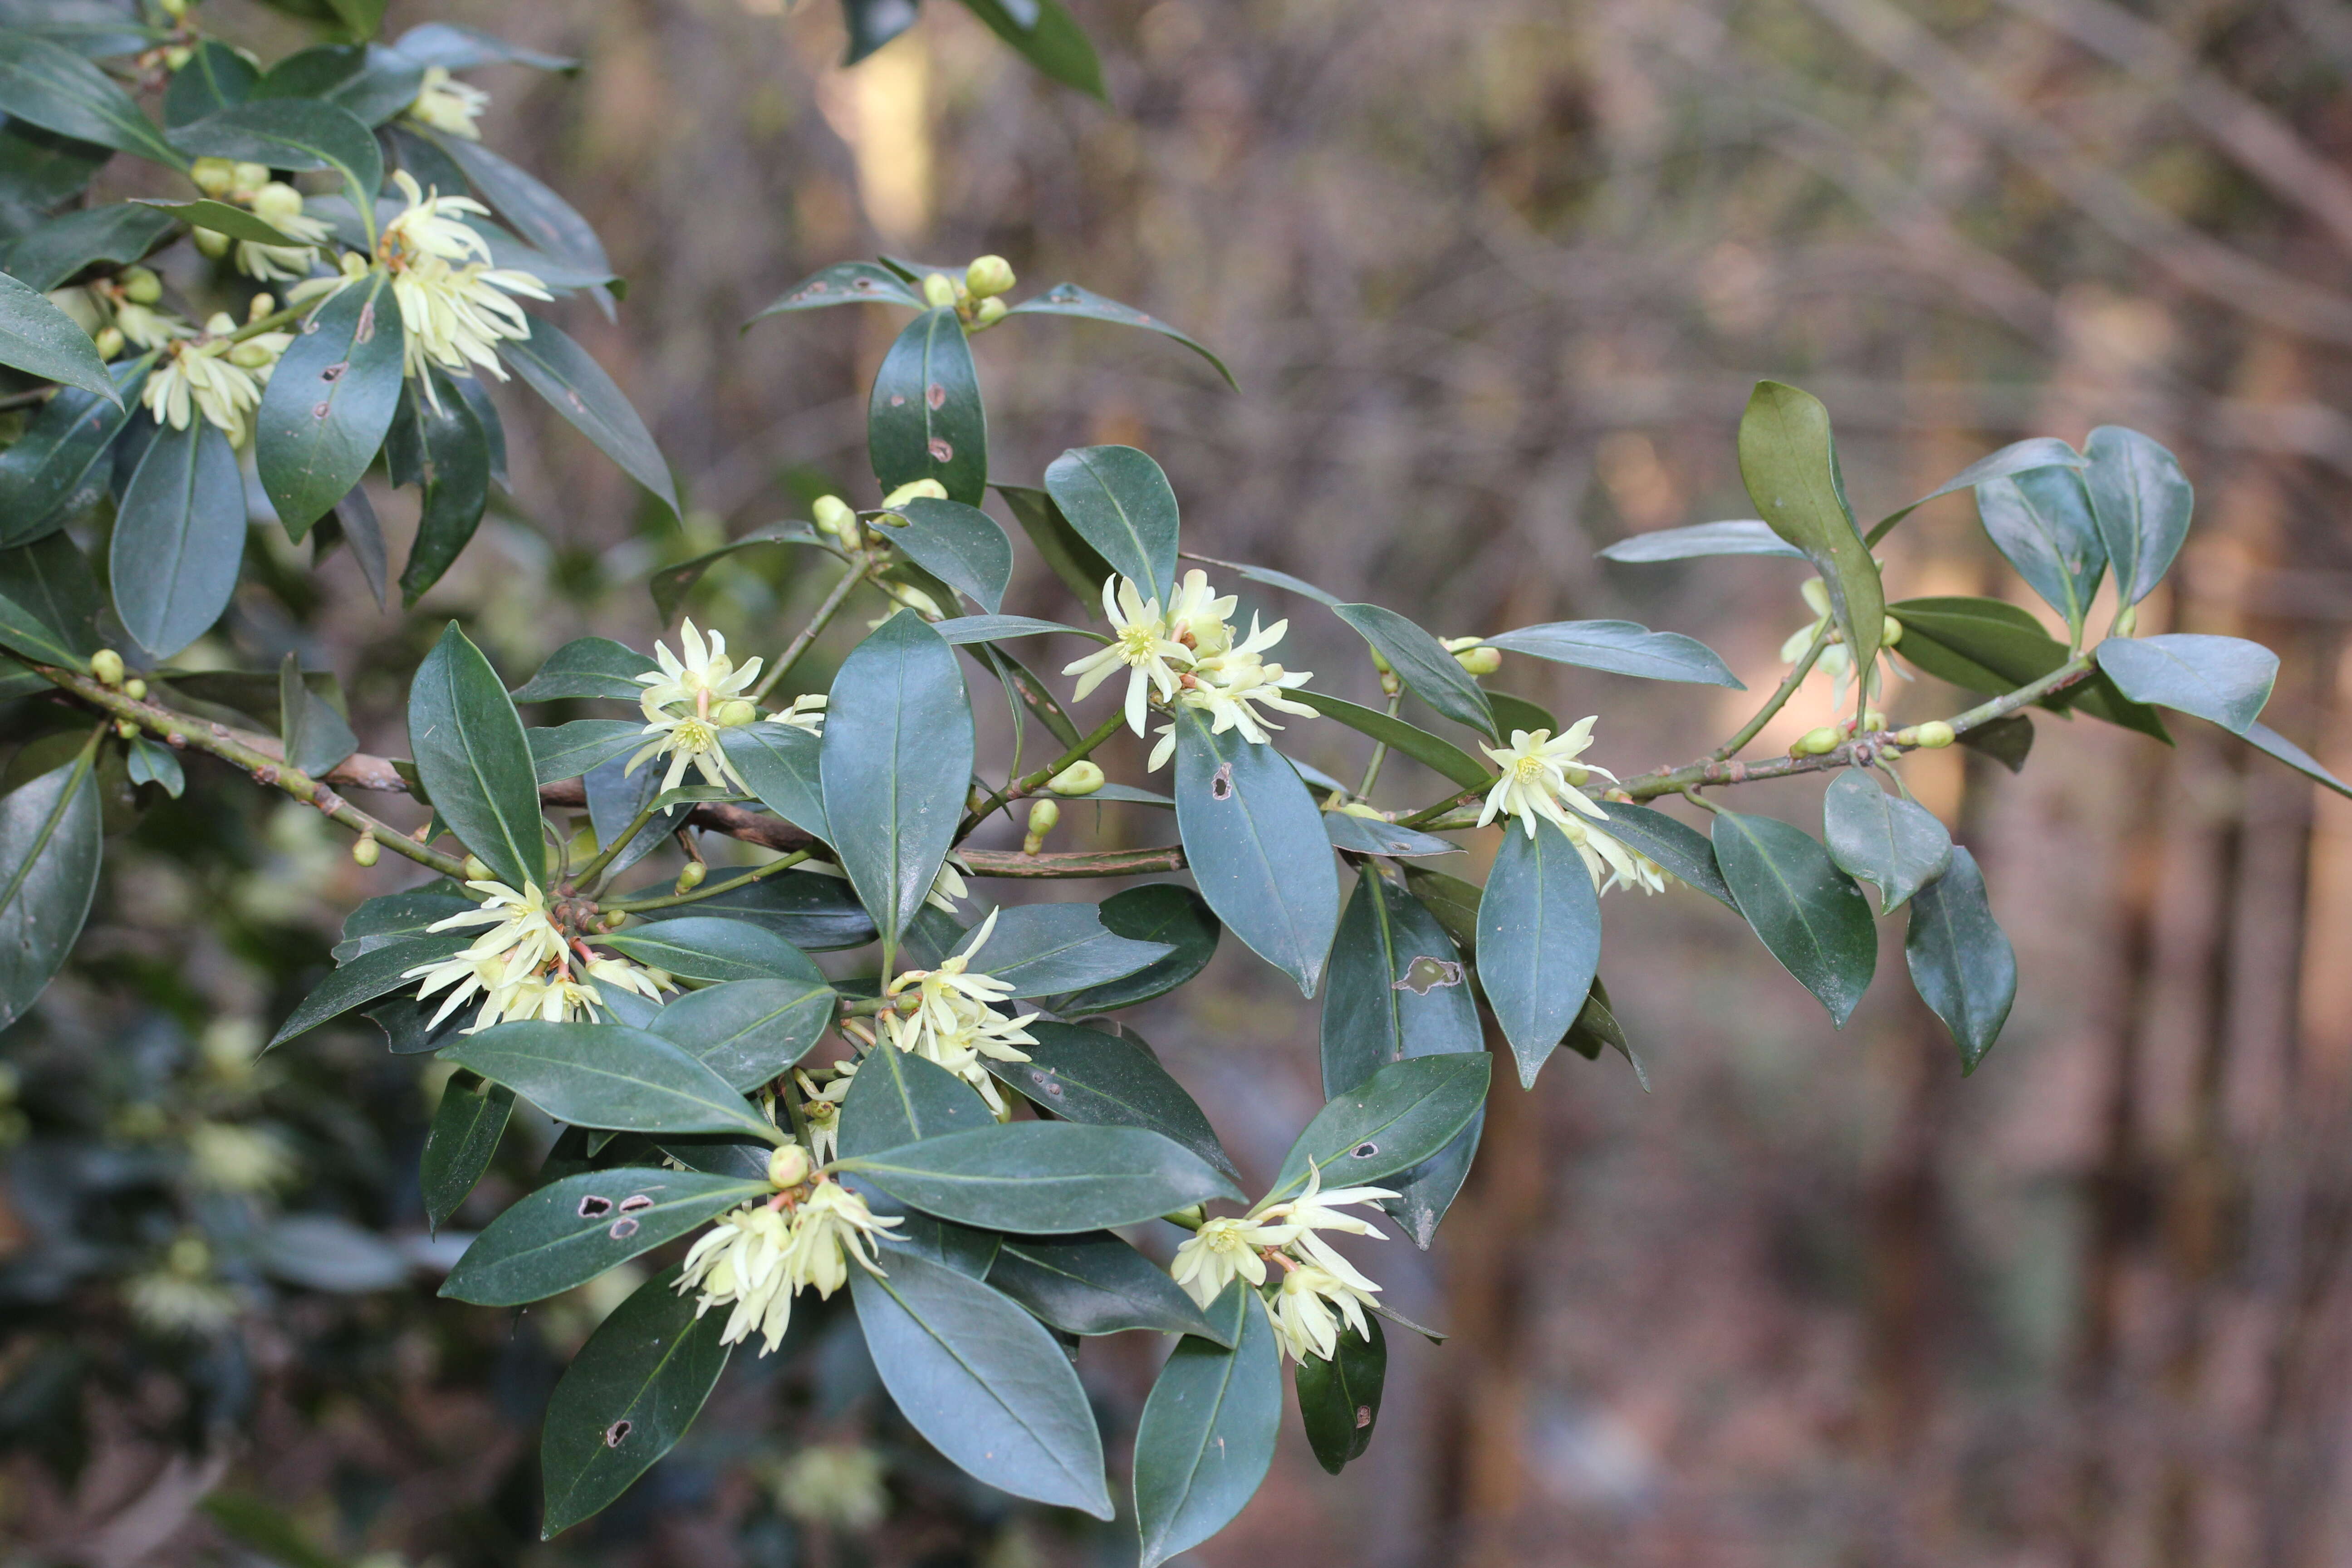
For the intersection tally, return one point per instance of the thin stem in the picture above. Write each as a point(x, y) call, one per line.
point(1028, 782)
point(1780, 698)
point(834, 600)
point(269, 323)
point(672, 900)
point(1379, 751)
point(627, 836)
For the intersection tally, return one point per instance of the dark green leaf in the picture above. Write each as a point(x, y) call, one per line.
point(1896, 843)
point(1420, 660)
point(1158, 912)
point(1045, 1178)
point(569, 1232)
point(1120, 504)
point(1400, 1116)
point(1054, 42)
point(473, 759)
point(405, 914)
point(587, 667)
point(1370, 835)
point(1450, 901)
point(2141, 502)
point(49, 85)
point(962, 631)
point(898, 1099)
point(1040, 950)
point(220, 217)
point(120, 232)
point(1741, 536)
point(961, 545)
point(152, 762)
point(749, 1031)
point(1960, 961)
point(49, 837)
point(571, 751)
point(2042, 521)
point(216, 78)
point(844, 284)
point(2008, 740)
point(2224, 680)
point(874, 23)
point(179, 537)
point(1440, 755)
point(1684, 851)
point(781, 764)
point(467, 1127)
point(40, 339)
point(1397, 990)
point(1621, 647)
point(453, 453)
point(1808, 914)
point(1078, 564)
point(814, 913)
point(54, 469)
point(1087, 1075)
point(924, 420)
point(1788, 463)
point(1596, 1028)
point(2293, 756)
point(1255, 844)
point(1208, 1429)
point(1340, 1399)
point(1539, 940)
point(330, 403)
point(49, 581)
point(627, 1399)
point(895, 762)
point(316, 737)
point(671, 585)
point(985, 1381)
point(1093, 1284)
point(291, 133)
point(536, 213)
point(577, 387)
point(377, 971)
point(1518, 713)
point(1069, 299)
point(1988, 645)
point(608, 1076)
point(709, 947)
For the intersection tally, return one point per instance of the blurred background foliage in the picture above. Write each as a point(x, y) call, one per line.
point(1495, 277)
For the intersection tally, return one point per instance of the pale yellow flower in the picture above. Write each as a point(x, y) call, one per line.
point(448, 105)
point(806, 712)
point(1218, 1253)
point(1309, 1308)
point(280, 206)
point(1225, 685)
point(1540, 773)
point(1139, 645)
point(214, 377)
point(757, 1257)
point(834, 1484)
point(455, 308)
point(522, 966)
point(230, 1158)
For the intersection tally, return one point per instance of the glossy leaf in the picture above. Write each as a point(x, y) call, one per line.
point(464, 1133)
point(1208, 1430)
point(2224, 680)
point(781, 765)
point(1741, 536)
point(2141, 502)
point(49, 851)
point(1340, 1399)
point(749, 1031)
point(474, 760)
point(40, 339)
point(587, 667)
point(844, 284)
point(1077, 563)
point(238, 223)
point(711, 947)
point(179, 538)
point(571, 751)
point(1069, 299)
point(119, 232)
point(1883, 838)
point(1399, 990)
point(963, 631)
point(814, 913)
point(378, 972)
point(1041, 950)
point(576, 386)
point(2033, 454)
point(2042, 521)
point(1538, 941)
point(1045, 1178)
point(535, 212)
point(1596, 1029)
point(216, 78)
point(1163, 913)
point(45, 84)
point(1788, 463)
point(152, 762)
point(960, 545)
point(315, 736)
point(894, 764)
point(1422, 662)
point(1961, 960)
point(924, 418)
point(898, 1099)
point(1682, 850)
point(1621, 647)
point(1988, 645)
point(1255, 844)
point(609, 1075)
point(1093, 1283)
point(1103, 1080)
point(568, 1232)
point(330, 403)
point(671, 585)
point(1808, 913)
point(452, 451)
point(1400, 1116)
point(1053, 42)
point(985, 1381)
point(1442, 756)
point(291, 133)
point(57, 466)
point(49, 580)
point(1120, 504)
point(1370, 835)
point(2008, 741)
point(627, 1399)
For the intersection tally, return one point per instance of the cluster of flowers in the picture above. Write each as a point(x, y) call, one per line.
point(756, 1258)
point(1318, 1290)
point(525, 965)
point(1540, 776)
point(1186, 656)
point(689, 701)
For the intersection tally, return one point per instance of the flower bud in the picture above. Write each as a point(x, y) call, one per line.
point(260, 305)
point(789, 1166)
point(1043, 816)
point(1890, 632)
point(1934, 735)
point(733, 711)
point(1359, 808)
point(134, 688)
point(476, 871)
point(1078, 778)
point(835, 516)
point(913, 490)
point(110, 341)
point(366, 851)
point(251, 177)
point(251, 355)
point(1480, 661)
point(987, 314)
point(1380, 662)
point(126, 728)
point(213, 177)
point(211, 242)
point(2127, 622)
point(939, 290)
point(1815, 742)
point(987, 276)
point(277, 201)
point(107, 664)
point(691, 877)
point(140, 286)
point(177, 56)
point(1872, 718)
point(1390, 684)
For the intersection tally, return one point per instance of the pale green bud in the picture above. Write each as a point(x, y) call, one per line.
point(733, 711)
point(691, 878)
point(126, 728)
point(251, 177)
point(789, 1166)
point(1044, 815)
point(1890, 632)
point(988, 276)
point(1872, 718)
point(213, 177)
point(107, 664)
point(987, 314)
point(134, 688)
point(260, 306)
point(212, 242)
point(476, 871)
point(140, 286)
point(366, 851)
point(1815, 742)
point(2128, 622)
point(110, 341)
point(939, 290)
point(1480, 661)
point(1934, 735)
point(1078, 778)
point(915, 489)
point(251, 355)
point(835, 516)
point(1380, 662)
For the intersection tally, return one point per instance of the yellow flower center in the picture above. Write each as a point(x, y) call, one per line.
point(1527, 769)
point(1139, 643)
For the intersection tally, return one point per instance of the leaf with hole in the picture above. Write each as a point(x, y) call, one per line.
point(568, 1232)
point(924, 418)
point(1396, 1118)
point(1340, 1399)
